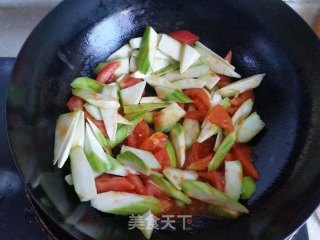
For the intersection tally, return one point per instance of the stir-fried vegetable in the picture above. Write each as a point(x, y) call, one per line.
point(182, 124)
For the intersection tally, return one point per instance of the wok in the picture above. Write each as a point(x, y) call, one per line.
point(265, 36)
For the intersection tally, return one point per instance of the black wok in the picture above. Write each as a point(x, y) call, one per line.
point(265, 36)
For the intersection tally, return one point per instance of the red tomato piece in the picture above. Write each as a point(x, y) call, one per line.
point(184, 36)
point(200, 164)
point(196, 115)
point(99, 124)
point(219, 116)
point(200, 98)
point(129, 81)
point(232, 110)
point(242, 153)
point(74, 103)
point(139, 134)
point(156, 119)
point(106, 75)
point(217, 179)
point(205, 148)
point(228, 57)
point(230, 157)
point(200, 154)
point(182, 105)
point(225, 80)
point(167, 205)
point(156, 142)
point(152, 190)
point(108, 183)
point(201, 103)
point(162, 157)
point(137, 182)
point(237, 101)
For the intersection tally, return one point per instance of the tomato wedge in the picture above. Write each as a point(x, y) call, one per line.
point(230, 157)
point(155, 143)
point(137, 182)
point(152, 190)
point(200, 164)
point(196, 115)
point(139, 134)
point(200, 98)
point(106, 183)
point(242, 153)
point(217, 179)
point(184, 36)
point(237, 101)
point(232, 110)
point(74, 103)
point(182, 105)
point(200, 154)
point(228, 57)
point(163, 158)
point(219, 116)
point(167, 205)
point(99, 124)
point(106, 75)
point(201, 103)
point(129, 81)
point(225, 80)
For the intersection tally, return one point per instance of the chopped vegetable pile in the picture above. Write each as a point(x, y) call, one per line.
point(162, 129)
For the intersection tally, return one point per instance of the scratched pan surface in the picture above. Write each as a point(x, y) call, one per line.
point(265, 36)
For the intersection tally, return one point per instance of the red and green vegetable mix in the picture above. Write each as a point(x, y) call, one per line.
point(179, 148)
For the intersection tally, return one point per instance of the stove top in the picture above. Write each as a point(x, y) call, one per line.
point(20, 218)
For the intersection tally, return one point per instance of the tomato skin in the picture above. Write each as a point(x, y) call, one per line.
point(230, 157)
point(201, 103)
point(139, 134)
point(156, 142)
point(105, 183)
point(156, 119)
point(216, 179)
point(129, 81)
point(184, 36)
point(137, 182)
point(106, 75)
point(75, 102)
point(152, 190)
point(182, 105)
point(225, 80)
point(200, 164)
point(167, 205)
point(196, 115)
point(99, 124)
point(200, 154)
point(219, 116)
point(162, 157)
point(232, 110)
point(237, 101)
point(200, 98)
point(228, 57)
point(242, 153)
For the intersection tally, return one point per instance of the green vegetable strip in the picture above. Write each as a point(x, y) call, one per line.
point(86, 83)
point(143, 107)
point(171, 153)
point(167, 69)
point(143, 59)
point(222, 151)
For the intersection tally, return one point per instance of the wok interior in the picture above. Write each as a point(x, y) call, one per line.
point(283, 101)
